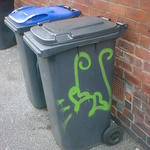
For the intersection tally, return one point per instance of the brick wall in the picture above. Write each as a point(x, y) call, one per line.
point(131, 88)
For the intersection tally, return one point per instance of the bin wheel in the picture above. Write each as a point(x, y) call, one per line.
point(113, 135)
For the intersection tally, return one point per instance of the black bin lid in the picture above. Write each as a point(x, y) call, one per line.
point(71, 33)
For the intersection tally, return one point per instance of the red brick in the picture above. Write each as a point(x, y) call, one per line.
point(137, 62)
point(145, 41)
point(143, 29)
point(128, 96)
point(147, 120)
point(133, 60)
point(147, 66)
point(146, 109)
point(37, 3)
point(137, 102)
point(131, 36)
point(142, 75)
point(123, 119)
point(96, 12)
point(132, 79)
point(24, 3)
point(112, 16)
point(125, 66)
point(142, 53)
point(145, 5)
point(128, 114)
point(146, 77)
point(117, 9)
point(118, 52)
point(130, 3)
point(85, 2)
point(136, 14)
point(125, 45)
point(141, 95)
point(83, 8)
point(140, 123)
point(137, 112)
point(113, 110)
point(118, 71)
point(64, 2)
point(146, 88)
point(118, 62)
point(118, 88)
point(101, 5)
point(131, 23)
point(137, 73)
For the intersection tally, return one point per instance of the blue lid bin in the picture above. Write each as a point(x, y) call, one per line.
point(31, 15)
point(19, 21)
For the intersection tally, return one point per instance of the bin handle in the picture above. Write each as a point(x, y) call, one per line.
point(75, 12)
point(28, 18)
point(121, 24)
point(123, 27)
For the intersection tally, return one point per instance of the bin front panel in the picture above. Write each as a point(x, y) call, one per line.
point(81, 82)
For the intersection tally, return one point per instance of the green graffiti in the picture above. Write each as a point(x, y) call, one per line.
point(78, 97)
point(110, 52)
point(60, 101)
point(75, 90)
point(67, 120)
point(66, 108)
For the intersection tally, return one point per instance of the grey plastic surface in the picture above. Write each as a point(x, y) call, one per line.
point(69, 78)
point(57, 74)
point(14, 27)
point(29, 66)
point(7, 37)
point(48, 39)
point(31, 74)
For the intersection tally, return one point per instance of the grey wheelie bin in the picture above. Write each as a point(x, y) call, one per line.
point(20, 21)
point(7, 37)
point(75, 58)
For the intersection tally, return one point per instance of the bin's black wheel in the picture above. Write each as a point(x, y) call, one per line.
point(113, 135)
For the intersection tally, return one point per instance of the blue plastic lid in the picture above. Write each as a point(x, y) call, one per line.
point(31, 15)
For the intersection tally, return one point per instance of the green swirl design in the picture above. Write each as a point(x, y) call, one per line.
point(75, 90)
point(109, 57)
point(77, 97)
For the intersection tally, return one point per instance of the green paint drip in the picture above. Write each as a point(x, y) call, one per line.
point(60, 101)
point(66, 108)
point(67, 120)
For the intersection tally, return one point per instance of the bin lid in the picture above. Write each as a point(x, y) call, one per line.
point(31, 15)
point(70, 33)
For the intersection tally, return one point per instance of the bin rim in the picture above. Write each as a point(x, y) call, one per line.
point(44, 50)
point(28, 16)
